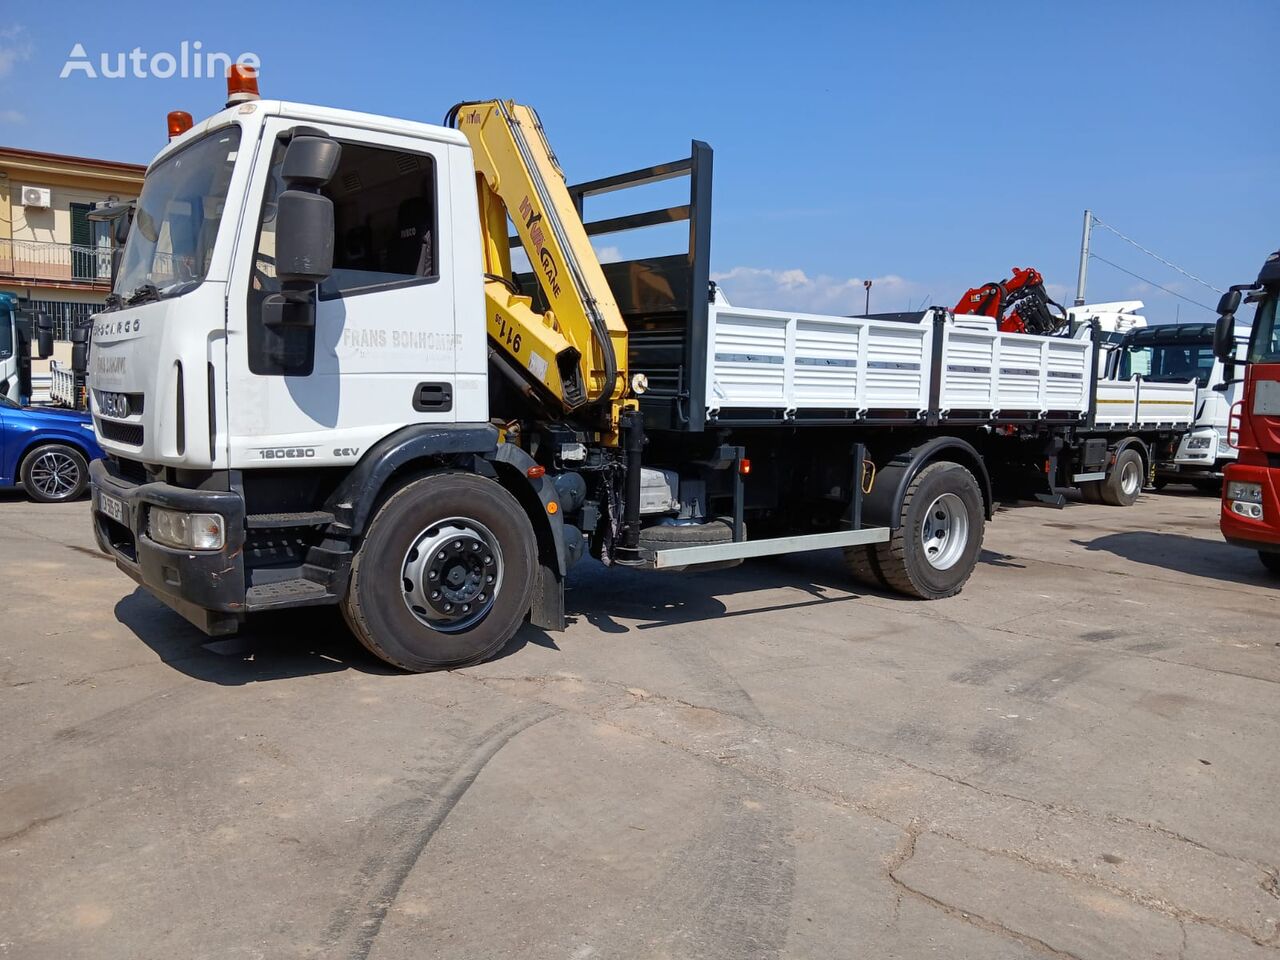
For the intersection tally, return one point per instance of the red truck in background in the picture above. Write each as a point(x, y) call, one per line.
point(1250, 515)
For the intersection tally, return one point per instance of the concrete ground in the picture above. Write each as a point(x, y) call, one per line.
point(1077, 757)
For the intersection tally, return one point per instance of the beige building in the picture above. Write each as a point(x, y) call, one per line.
point(50, 252)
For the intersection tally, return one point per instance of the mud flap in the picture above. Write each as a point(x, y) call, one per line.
point(547, 609)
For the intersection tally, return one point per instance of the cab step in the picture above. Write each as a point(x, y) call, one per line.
point(292, 593)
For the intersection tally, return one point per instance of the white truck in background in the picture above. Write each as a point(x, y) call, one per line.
point(1176, 353)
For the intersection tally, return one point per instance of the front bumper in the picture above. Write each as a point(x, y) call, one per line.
point(206, 587)
point(1199, 463)
point(1261, 534)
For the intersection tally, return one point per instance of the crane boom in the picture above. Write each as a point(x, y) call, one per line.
point(576, 352)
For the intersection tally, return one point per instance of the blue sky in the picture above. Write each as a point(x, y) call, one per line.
point(929, 146)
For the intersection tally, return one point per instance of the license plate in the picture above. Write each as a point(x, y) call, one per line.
point(112, 507)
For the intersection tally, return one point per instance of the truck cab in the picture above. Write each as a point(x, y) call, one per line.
point(1250, 515)
point(22, 335)
point(9, 349)
point(1179, 353)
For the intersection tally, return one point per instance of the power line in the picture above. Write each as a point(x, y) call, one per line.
point(1155, 256)
point(1173, 293)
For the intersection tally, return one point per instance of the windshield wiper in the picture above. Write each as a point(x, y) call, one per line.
point(145, 293)
point(114, 301)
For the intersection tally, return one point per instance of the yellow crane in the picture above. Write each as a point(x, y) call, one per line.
point(576, 352)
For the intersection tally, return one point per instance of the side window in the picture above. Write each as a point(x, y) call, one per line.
point(385, 223)
point(384, 211)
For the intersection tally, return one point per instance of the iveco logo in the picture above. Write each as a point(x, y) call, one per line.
point(114, 404)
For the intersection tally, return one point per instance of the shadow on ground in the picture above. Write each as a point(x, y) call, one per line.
point(1215, 560)
point(270, 646)
point(315, 640)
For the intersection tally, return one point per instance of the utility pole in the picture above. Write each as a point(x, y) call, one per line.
point(1084, 258)
point(866, 285)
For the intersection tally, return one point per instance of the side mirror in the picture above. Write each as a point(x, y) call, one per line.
point(44, 336)
point(304, 238)
point(80, 349)
point(1224, 334)
point(304, 216)
point(304, 244)
point(1229, 303)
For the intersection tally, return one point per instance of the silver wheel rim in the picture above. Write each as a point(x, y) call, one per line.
point(451, 574)
point(54, 474)
point(1129, 479)
point(944, 531)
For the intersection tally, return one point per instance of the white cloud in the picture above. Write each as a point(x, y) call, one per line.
point(608, 254)
point(14, 49)
point(794, 289)
point(12, 116)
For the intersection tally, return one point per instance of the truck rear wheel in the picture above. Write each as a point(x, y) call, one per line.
point(933, 552)
point(861, 561)
point(445, 575)
point(1124, 482)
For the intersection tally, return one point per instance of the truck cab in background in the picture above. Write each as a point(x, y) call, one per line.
point(22, 335)
point(1250, 515)
point(10, 387)
point(1178, 353)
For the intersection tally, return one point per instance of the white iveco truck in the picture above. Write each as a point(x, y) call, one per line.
point(320, 381)
point(1178, 353)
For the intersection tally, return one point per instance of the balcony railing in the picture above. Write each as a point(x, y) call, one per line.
point(62, 263)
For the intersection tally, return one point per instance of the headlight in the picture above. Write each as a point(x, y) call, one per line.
point(186, 531)
point(1200, 443)
point(1247, 492)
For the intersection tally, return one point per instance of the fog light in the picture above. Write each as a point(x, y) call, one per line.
point(1200, 443)
point(186, 531)
point(1251, 510)
point(1249, 492)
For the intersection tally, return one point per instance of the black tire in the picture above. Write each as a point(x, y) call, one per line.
point(1091, 491)
point(1271, 561)
point(54, 473)
point(904, 561)
point(664, 536)
point(1124, 482)
point(377, 604)
point(1159, 483)
point(1209, 487)
point(860, 559)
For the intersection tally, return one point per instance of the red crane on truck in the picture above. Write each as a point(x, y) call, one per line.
point(1250, 514)
point(1019, 304)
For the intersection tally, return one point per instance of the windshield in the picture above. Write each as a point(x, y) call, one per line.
point(171, 240)
point(1264, 344)
point(1168, 363)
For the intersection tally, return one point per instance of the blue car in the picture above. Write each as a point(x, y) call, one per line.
point(46, 450)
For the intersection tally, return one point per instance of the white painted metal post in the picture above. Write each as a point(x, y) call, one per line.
point(1084, 257)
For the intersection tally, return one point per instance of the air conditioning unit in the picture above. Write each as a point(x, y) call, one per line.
point(41, 197)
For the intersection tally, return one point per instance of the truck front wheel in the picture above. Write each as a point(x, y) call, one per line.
point(934, 550)
point(1271, 561)
point(444, 576)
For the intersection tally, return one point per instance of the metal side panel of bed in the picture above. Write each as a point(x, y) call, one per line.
point(931, 366)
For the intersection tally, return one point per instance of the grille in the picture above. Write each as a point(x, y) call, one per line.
point(126, 433)
point(131, 470)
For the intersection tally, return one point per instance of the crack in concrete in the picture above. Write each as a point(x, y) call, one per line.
point(1048, 807)
point(904, 854)
point(778, 779)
